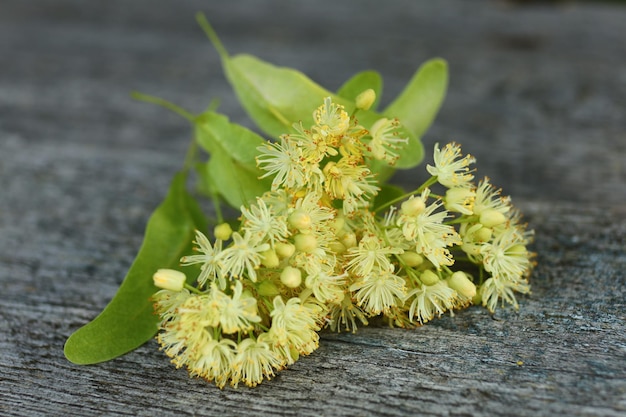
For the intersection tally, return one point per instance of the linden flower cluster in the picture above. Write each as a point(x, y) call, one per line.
point(313, 252)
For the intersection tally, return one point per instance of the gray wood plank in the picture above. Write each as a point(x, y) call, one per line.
point(537, 93)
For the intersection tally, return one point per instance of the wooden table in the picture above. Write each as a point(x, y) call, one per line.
point(537, 94)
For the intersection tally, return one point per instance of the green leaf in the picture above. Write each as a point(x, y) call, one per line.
point(235, 184)
point(274, 97)
point(128, 321)
point(232, 168)
point(361, 82)
point(215, 133)
point(419, 102)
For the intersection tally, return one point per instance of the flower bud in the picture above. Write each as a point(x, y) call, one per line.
point(284, 250)
point(428, 277)
point(338, 223)
point(365, 100)
point(412, 259)
point(460, 199)
point(300, 220)
point(270, 259)
point(291, 277)
point(491, 218)
point(461, 284)
point(223, 231)
point(412, 206)
point(169, 279)
point(459, 194)
point(483, 234)
point(337, 247)
point(517, 250)
point(305, 243)
point(348, 239)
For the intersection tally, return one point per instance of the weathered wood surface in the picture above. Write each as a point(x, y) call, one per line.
point(537, 93)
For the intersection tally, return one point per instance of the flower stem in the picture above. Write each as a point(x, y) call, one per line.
point(421, 188)
point(193, 289)
point(163, 103)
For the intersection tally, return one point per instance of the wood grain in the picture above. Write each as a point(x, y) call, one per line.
point(537, 93)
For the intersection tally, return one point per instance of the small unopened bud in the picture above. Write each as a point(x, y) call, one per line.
point(300, 220)
point(483, 234)
point(491, 218)
point(457, 194)
point(169, 279)
point(428, 277)
point(338, 223)
point(412, 259)
point(305, 243)
point(461, 284)
point(291, 277)
point(519, 250)
point(270, 259)
point(365, 100)
point(337, 247)
point(412, 206)
point(348, 239)
point(267, 289)
point(284, 250)
point(223, 231)
point(460, 199)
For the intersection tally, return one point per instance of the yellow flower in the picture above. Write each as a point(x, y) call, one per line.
point(345, 315)
point(237, 312)
point(431, 300)
point(318, 214)
point(370, 256)
point(489, 198)
point(263, 224)
point(284, 161)
point(242, 255)
point(327, 287)
point(166, 302)
point(502, 287)
point(331, 118)
point(295, 324)
point(460, 199)
point(185, 333)
point(349, 181)
point(385, 140)
point(214, 361)
point(379, 291)
point(451, 169)
point(210, 269)
point(427, 230)
point(506, 255)
point(254, 362)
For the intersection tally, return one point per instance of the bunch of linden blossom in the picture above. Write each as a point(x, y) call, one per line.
point(313, 252)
